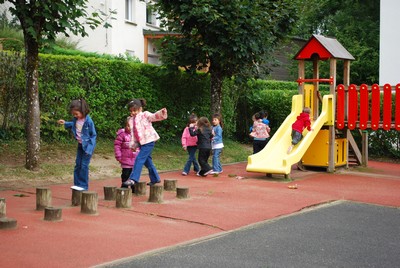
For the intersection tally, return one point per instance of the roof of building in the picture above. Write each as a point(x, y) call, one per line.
point(324, 47)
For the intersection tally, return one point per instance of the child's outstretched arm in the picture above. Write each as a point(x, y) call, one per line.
point(157, 116)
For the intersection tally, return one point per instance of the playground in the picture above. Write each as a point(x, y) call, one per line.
point(345, 109)
point(246, 194)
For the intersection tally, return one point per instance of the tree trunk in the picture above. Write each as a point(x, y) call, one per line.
point(33, 108)
point(216, 91)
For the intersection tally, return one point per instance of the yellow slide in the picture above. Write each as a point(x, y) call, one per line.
point(274, 158)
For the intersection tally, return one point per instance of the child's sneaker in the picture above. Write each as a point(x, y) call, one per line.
point(77, 188)
point(290, 149)
point(129, 182)
point(208, 172)
point(184, 173)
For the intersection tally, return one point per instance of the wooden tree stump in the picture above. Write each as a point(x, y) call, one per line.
point(123, 198)
point(76, 198)
point(7, 223)
point(110, 193)
point(140, 188)
point(169, 185)
point(52, 214)
point(156, 194)
point(89, 202)
point(182, 192)
point(2, 207)
point(43, 198)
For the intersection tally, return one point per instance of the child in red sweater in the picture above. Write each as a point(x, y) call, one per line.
point(302, 122)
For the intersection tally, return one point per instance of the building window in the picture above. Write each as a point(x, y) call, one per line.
point(151, 16)
point(129, 10)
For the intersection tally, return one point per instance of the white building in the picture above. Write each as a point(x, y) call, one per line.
point(389, 52)
point(133, 30)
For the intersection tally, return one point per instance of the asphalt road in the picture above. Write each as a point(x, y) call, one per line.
point(341, 234)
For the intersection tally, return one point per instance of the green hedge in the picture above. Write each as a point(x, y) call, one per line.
point(108, 85)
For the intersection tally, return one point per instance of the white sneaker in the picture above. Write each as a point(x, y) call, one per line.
point(208, 172)
point(129, 182)
point(184, 173)
point(77, 188)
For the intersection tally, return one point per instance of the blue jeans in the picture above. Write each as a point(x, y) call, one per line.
point(81, 170)
point(192, 159)
point(144, 158)
point(216, 160)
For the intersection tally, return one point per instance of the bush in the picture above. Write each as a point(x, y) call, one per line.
point(108, 85)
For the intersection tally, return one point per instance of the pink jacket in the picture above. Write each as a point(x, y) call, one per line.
point(188, 140)
point(123, 152)
point(141, 124)
point(260, 130)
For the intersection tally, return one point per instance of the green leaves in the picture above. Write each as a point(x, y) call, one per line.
point(229, 35)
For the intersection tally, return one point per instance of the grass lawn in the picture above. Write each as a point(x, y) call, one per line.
point(57, 161)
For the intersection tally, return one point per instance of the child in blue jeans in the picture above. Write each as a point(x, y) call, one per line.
point(84, 132)
point(217, 143)
point(189, 144)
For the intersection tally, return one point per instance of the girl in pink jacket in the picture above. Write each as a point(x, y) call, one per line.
point(144, 136)
point(189, 144)
point(124, 154)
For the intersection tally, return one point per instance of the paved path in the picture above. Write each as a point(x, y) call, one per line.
point(217, 206)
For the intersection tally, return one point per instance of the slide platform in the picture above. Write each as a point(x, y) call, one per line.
point(274, 158)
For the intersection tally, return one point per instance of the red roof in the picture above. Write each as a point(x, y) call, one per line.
point(324, 47)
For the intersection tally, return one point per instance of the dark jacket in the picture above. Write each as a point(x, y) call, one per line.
point(203, 137)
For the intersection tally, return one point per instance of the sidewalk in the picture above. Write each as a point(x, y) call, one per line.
point(216, 205)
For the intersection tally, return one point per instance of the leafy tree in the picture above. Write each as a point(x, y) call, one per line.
point(229, 37)
point(354, 23)
point(41, 20)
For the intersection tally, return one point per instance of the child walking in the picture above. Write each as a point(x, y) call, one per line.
point(217, 143)
point(203, 131)
point(302, 122)
point(124, 154)
point(143, 136)
point(260, 133)
point(189, 144)
point(84, 131)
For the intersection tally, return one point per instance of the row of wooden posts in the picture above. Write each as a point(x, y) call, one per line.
point(88, 200)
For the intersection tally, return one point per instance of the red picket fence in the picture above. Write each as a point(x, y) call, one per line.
point(364, 107)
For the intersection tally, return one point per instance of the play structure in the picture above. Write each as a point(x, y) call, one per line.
point(344, 109)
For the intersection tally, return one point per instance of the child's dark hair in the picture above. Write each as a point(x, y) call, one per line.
point(192, 119)
point(135, 104)
point(219, 117)
point(79, 105)
point(263, 113)
point(203, 122)
point(258, 116)
point(306, 110)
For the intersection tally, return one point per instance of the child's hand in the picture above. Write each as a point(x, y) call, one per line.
point(61, 121)
point(184, 148)
point(192, 125)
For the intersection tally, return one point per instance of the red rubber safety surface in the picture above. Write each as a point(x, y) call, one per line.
point(234, 199)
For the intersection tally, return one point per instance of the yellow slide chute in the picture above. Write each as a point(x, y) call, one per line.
point(274, 158)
